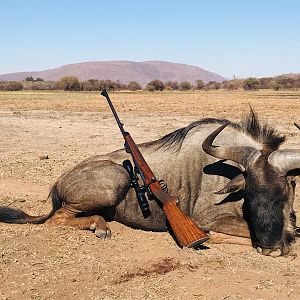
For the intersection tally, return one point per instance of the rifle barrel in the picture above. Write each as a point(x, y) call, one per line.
point(120, 124)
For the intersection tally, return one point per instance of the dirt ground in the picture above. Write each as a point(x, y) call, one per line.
point(39, 262)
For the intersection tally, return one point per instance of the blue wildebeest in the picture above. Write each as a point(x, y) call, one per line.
point(240, 192)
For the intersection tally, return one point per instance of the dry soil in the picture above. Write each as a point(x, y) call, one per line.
point(39, 262)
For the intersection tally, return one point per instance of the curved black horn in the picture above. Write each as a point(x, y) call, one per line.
point(241, 155)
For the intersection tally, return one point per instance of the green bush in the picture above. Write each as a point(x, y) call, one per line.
point(185, 86)
point(251, 83)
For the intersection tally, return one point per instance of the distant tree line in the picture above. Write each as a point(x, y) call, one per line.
point(71, 83)
point(30, 78)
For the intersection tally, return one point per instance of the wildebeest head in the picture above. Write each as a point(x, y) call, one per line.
point(268, 185)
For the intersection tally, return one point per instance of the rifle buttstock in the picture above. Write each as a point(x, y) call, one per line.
point(187, 233)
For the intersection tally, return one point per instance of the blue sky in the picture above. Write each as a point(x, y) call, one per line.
point(229, 37)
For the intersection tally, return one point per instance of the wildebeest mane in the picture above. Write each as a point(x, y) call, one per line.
point(264, 134)
point(174, 140)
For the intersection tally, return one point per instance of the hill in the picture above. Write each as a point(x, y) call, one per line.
point(124, 71)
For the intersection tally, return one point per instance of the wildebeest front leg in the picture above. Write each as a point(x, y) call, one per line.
point(222, 238)
point(94, 223)
point(229, 230)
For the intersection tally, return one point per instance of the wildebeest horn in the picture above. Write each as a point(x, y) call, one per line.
point(240, 154)
point(234, 185)
point(285, 160)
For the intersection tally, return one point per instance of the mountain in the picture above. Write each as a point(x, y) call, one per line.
point(124, 71)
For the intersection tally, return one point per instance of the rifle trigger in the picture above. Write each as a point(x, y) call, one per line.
point(163, 185)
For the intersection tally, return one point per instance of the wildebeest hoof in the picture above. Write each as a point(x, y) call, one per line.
point(269, 252)
point(103, 234)
point(93, 227)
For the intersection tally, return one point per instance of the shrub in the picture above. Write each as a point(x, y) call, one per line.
point(157, 84)
point(276, 86)
point(69, 83)
point(213, 85)
point(185, 86)
point(109, 85)
point(251, 83)
point(231, 85)
point(30, 78)
point(40, 86)
point(90, 85)
point(265, 83)
point(133, 86)
point(150, 88)
point(171, 85)
point(286, 82)
point(199, 84)
point(11, 86)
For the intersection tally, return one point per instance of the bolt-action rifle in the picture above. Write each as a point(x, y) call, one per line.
point(187, 233)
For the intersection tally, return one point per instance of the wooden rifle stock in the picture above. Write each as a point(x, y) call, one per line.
point(187, 233)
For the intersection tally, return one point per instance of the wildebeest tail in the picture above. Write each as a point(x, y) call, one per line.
point(16, 216)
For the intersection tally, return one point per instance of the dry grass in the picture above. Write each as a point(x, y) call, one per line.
point(263, 100)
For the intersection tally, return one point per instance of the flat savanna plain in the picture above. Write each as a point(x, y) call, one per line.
point(40, 262)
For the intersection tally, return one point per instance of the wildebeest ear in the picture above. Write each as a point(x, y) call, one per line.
point(234, 185)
